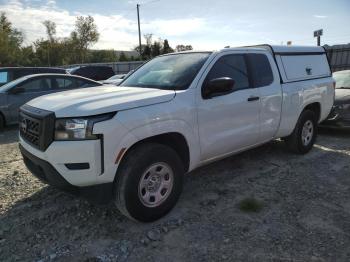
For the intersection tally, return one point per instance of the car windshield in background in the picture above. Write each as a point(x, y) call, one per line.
point(120, 76)
point(169, 72)
point(342, 79)
point(11, 84)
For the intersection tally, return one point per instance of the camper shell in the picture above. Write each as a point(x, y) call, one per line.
point(298, 63)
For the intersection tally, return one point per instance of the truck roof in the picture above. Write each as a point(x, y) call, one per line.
point(281, 49)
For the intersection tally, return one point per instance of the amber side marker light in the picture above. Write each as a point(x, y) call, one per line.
point(121, 153)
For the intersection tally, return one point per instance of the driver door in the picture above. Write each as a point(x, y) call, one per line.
point(228, 122)
point(29, 90)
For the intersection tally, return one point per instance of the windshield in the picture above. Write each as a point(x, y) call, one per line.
point(342, 79)
point(170, 72)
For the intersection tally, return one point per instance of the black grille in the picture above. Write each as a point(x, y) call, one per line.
point(30, 129)
point(36, 126)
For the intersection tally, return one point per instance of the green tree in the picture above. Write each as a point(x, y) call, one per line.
point(166, 47)
point(28, 56)
point(147, 49)
point(10, 43)
point(122, 57)
point(51, 41)
point(84, 35)
point(102, 56)
point(181, 48)
point(50, 30)
point(156, 48)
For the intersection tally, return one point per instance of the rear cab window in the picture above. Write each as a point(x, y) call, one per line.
point(261, 70)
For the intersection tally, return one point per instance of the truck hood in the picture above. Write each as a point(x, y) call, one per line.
point(100, 100)
point(342, 96)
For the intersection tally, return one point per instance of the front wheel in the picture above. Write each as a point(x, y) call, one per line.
point(304, 135)
point(149, 182)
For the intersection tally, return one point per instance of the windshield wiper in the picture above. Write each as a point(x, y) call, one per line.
point(344, 87)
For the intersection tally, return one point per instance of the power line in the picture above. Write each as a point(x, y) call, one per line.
point(122, 16)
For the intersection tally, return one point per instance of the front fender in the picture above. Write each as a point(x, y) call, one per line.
point(170, 126)
point(119, 138)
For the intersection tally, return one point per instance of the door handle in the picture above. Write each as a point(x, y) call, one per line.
point(253, 98)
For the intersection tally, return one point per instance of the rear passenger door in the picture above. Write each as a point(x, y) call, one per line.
point(63, 83)
point(69, 83)
point(266, 80)
point(229, 122)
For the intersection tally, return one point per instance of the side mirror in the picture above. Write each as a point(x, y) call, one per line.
point(16, 90)
point(218, 87)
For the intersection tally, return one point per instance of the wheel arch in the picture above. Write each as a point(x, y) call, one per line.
point(174, 140)
point(314, 107)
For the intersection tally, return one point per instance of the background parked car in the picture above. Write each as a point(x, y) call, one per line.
point(340, 115)
point(20, 91)
point(8, 74)
point(114, 80)
point(97, 73)
point(117, 79)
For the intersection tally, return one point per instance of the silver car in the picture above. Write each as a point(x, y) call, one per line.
point(18, 92)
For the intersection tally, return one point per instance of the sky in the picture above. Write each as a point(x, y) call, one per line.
point(204, 24)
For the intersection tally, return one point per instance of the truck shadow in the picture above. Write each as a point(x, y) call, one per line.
point(339, 133)
point(211, 193)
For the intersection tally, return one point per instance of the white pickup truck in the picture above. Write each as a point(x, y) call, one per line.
point(133, 143)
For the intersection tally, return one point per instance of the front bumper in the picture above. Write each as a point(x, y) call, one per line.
point(43, 170)
point(60, 154)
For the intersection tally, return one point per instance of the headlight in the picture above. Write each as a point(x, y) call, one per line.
point(79, 128)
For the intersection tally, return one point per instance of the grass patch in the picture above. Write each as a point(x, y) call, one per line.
point(250, 205)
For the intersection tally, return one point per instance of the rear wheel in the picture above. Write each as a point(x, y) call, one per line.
point(304, 135)
point(149, 182)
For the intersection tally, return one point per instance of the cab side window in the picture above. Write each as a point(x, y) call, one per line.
point(261, 70)
point(232, 66)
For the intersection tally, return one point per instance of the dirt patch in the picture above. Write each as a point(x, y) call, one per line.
point(305, 214)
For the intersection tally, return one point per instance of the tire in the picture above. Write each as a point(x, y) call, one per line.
point(301, 142)
point(148, 170)
point(2, 123)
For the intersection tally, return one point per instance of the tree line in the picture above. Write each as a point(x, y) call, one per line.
point(74, 49)
point(158, 47)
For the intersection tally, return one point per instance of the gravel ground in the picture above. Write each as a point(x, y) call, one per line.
point(305, 214)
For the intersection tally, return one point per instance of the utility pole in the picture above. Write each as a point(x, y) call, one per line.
point(138, 21)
